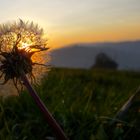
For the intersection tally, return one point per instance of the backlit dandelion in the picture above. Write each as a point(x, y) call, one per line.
point(19, 42)
point(20, 46)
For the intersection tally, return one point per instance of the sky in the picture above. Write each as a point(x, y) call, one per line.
point(76, 21)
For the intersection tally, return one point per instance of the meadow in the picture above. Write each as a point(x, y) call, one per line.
point(84, 102)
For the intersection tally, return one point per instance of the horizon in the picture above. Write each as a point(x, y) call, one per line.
point(72, 22)
point(94, 43)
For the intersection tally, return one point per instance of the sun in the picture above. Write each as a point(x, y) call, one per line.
point(27, 47)
point(24, 45)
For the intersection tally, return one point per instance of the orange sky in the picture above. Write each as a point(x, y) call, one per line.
point(73, 21)
point(100, 34)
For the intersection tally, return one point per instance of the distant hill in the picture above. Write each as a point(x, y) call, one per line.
point(126, 54)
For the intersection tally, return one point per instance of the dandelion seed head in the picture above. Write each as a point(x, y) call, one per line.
point(22, 48)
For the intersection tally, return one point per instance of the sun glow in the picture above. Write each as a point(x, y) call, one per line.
point(25, 46)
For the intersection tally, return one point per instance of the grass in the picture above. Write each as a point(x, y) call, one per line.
point(82, 101)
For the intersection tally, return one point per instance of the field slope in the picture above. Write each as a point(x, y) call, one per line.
point(82, 101)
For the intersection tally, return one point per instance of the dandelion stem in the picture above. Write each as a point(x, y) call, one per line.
point(51, 121)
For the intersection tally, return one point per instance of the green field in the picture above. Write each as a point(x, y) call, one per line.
point(83, 102)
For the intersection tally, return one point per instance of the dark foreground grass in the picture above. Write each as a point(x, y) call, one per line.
point(82, 101)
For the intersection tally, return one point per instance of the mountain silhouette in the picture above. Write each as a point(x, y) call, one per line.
point(126, 54)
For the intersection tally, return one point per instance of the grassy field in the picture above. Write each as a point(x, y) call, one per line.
point(82, 101)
